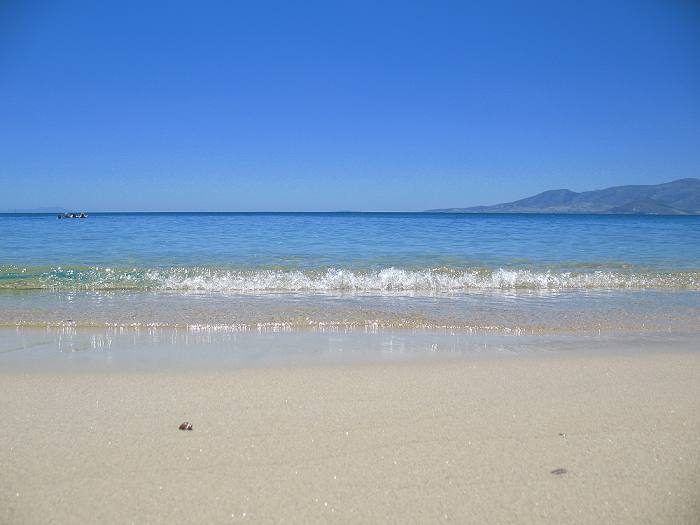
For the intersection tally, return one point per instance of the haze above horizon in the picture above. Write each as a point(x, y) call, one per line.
point(349, 106)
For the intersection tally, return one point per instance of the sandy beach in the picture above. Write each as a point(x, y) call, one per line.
point(535, 439)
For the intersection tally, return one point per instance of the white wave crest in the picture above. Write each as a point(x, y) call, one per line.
point(430, 280)
point(397, 280)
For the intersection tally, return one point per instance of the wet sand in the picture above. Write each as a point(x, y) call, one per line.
point(470, 440)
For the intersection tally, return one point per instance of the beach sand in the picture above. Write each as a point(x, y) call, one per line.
point(470, 441)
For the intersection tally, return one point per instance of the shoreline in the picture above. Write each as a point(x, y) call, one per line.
point(584, 311)
point(466, 440)
point(67, 349)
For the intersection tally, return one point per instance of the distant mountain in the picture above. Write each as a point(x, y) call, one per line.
point(680, 197)
point(35, 210)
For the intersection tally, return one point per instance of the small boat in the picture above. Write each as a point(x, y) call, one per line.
point(81, 215)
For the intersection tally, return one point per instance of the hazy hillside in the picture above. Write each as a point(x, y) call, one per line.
point(680, 197)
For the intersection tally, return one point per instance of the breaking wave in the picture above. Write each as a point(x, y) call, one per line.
point(434, 280)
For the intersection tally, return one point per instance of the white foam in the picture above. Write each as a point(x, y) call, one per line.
point(397, 280)
point(386, 280)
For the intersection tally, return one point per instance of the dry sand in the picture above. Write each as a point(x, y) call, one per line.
point(471, 441)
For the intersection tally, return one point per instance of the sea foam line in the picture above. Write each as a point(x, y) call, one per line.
point(341, 280)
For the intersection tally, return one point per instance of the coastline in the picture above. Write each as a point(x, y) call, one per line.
point(466, 440)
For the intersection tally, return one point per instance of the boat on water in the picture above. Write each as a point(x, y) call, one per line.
point(81, 215)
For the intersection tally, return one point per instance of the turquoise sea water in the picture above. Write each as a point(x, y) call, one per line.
point(282, 252)
point(387, 270)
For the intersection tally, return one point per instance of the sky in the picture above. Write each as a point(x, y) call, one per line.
point(324, 106)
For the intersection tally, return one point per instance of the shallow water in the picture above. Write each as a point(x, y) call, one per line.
point(522, 275)
point(159, 348)
point(514, 312)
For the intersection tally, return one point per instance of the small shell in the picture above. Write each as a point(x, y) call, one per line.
point(186, 426)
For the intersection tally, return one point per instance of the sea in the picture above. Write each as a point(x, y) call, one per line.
point(174, 288)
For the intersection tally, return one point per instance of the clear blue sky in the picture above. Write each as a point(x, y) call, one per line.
point(341, 105)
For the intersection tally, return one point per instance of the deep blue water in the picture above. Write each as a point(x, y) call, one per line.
point(351, 240)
